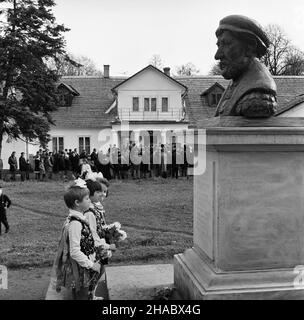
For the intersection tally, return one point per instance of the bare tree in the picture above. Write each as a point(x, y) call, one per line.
point(156, 61)
point(71, 65)
point(294, 63)
point(282, 57)
point(187, 69)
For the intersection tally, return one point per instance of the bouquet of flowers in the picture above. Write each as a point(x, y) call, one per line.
point(113, 233)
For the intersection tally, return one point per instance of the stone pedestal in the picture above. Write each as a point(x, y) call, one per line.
point(248, 213)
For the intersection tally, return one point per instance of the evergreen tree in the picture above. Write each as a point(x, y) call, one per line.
point(29, 36)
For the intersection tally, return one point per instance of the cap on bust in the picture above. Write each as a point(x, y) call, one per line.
point(244, 25)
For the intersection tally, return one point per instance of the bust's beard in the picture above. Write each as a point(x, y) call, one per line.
point(235, 69)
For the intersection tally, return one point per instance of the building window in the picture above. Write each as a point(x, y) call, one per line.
point(65, 99)
point(84, 144)
point(153, 104)
point(215, 98)
point(135, 104)
point(164, 104)
point(147, 104)
point(58, 144)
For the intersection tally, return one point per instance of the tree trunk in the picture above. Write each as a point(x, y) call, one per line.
point(1, 138)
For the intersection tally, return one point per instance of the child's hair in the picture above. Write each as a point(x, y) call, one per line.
point(74, 193)
point(104, 182)
point(93, 186)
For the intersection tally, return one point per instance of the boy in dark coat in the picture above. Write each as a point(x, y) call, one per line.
point(5, 203)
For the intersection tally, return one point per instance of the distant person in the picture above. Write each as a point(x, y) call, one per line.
point(5, 203)
point(74, 160)
point(12, 161)
point(85, 168)
point(22, 166)
point(42, 167)
point(36, 163)
point(184, 165)
point(28, 169)
point(48, 165)
point(174, 167)
point(61, 165)
point(94, 156)
point(67, 163)
point(83, 155)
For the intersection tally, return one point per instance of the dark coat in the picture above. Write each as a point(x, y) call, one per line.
point(5, 202)
point(12, 161)
point(22, 164)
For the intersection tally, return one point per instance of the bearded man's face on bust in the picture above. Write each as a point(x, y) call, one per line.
point(231, 54)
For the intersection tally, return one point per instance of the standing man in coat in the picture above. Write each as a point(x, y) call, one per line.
point(12, 161)
point(22, 166)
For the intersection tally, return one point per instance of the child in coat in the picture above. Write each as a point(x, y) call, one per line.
point(5, 203)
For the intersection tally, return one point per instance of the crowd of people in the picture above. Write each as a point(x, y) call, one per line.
point(155, 161)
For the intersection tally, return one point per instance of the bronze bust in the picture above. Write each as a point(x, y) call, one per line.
point(252, 92)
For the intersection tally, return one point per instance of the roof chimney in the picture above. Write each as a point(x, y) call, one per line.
point(106, 71)
point(167, 71)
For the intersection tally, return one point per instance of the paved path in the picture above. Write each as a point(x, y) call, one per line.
point(133, 282)
point(138, 282)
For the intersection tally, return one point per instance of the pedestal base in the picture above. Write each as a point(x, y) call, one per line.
point(195, 278)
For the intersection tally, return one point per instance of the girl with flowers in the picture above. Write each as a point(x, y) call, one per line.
point(96, 217)
point(106, 236)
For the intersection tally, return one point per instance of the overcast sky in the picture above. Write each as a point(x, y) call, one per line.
point(126, 33)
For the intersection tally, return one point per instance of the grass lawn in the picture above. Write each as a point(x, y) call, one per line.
point(156, 214)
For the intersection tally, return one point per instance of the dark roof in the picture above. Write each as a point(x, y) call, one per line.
point(290, 91)
point(292, 103)
point(96, 96)
point(69, 88)
point(216, 85)
point(196, 103)
point(88, 109)
point(155, 69)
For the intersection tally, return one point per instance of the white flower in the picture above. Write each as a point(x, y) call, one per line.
point(117, 225)
point(90, 176)
point(80, 183)
point(99, 175)
point(93, 176)
point(123, 235)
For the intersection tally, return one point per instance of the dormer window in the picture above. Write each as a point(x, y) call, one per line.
point(66, 94)
point(66, 99)
point(215, 99)
point(213, 94)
